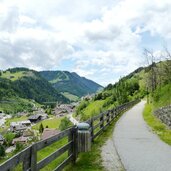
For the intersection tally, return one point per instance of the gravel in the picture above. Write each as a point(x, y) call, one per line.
point(110, 157)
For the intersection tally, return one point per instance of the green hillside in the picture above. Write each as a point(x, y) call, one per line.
point(72, 83)
point(20, 85)
point(152, 82)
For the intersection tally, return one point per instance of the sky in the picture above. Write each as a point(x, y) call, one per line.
point(102, 40)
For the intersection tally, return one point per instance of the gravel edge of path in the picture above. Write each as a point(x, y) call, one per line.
point(110, 155)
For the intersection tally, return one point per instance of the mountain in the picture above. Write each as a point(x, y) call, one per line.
point(72, 83)
point(27, 84)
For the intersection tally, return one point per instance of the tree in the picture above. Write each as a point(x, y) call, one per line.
point(2, 151)
point(19, 147)
point(41, 128)
point(151, 81)
point(8, 138)
point(65, 123)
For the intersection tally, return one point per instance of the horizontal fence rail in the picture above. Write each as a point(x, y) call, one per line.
point(28, 157)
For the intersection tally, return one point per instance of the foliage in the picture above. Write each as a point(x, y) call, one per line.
point(70, 83)
point(41, 128)
point(65, 123)
point(49, 111)
point(81, 106)
point(19, 147)
point(27, 84)
point(162, 96)
point(2, 151)
point(9, 136)
point(159, 128)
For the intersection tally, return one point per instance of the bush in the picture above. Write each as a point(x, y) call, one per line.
point(82, 106)
point(8, 138)
point(65, 123)
point(19, 147)
point(41, 128)
point(2, 151)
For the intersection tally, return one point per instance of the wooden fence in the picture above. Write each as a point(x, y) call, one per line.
point(28, 157)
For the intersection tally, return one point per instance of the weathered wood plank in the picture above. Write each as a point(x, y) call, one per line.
point(15, 160)
point(98, 133)
point(34, 157)
point(49, 141)
point(64, 163)
point(102, 121)
point(27, 162)
point(84, 141)
point(97, 125)
point(75, 145)
point(54, 155)
point(70, 138)
point(92, 128)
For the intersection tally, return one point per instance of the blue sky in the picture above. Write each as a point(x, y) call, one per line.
point(101, 40)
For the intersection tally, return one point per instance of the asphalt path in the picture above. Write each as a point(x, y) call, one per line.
point(138, 147)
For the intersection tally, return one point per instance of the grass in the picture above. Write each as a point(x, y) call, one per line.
point(157, 126)
point(16, 104)
point(51, 123)
point(92, 109)
point(50, 149)
point(16, 119)
point(92, 161)
point(71, 96)
point(162, 96)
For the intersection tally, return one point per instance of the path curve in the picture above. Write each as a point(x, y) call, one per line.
point(139, 148)
point(72, 119)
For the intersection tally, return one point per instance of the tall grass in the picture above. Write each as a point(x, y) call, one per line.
point(157, 126)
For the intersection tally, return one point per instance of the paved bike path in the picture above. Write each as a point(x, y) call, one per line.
point(138, 147)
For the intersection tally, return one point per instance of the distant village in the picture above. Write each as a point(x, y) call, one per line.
point(23, 129)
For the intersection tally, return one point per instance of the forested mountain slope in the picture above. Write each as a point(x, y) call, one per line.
point(64, 81)
point(27, 84)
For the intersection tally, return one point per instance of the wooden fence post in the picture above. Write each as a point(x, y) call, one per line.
point(75, 150)
point(102, 120)
point(70, 138)
point(34, 157)
point(92, 129)
point(108, 116)
point(27, 161)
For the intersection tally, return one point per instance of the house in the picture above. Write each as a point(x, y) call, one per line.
point(35, 118)
point(1, 139)
point(21, 139)
point(19, 126)
point(63, 109)
point(47, 133)
point(44, 116)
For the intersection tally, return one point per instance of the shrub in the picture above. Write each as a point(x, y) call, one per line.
point(65, 123)
point(2, 151)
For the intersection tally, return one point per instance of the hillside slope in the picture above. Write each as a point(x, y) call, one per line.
point(151, 81)
point(27, 84)
point(64, 81)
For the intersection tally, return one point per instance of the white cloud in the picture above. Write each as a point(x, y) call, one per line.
point(99, 36)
